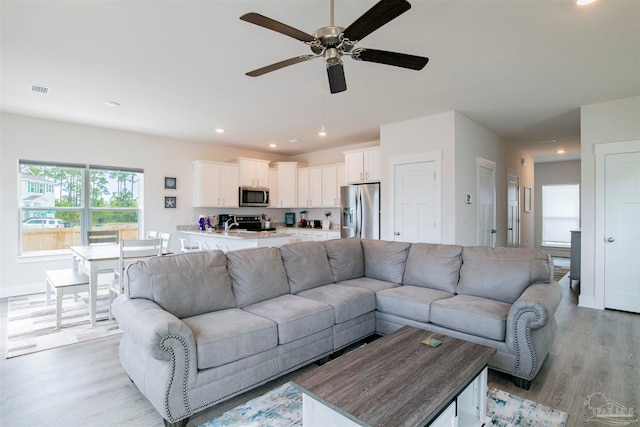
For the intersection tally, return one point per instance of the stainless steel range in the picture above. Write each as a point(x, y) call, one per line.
point(250, 222)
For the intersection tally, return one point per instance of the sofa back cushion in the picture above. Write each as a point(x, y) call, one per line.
point(385, 260)
point(345, 258)
point(257, 275)
point(306, 265)
point(433, 266)
point(502, 273)
point(185, 285)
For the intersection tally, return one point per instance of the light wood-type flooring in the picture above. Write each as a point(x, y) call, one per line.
point(84, 384)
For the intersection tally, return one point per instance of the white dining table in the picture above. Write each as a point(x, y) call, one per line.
point(91, 259)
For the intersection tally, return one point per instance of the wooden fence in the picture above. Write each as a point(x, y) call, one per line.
point(49, 239)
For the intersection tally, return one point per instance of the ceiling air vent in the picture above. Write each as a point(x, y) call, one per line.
point(40, 89)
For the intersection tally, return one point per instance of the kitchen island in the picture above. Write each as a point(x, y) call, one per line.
point(236, 239)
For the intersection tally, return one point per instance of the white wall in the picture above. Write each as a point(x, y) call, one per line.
point(612, 121)
point(37, 139)
point(550, 174)
point(473, 141)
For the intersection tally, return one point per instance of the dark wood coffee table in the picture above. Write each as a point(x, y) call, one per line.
point(398, 381)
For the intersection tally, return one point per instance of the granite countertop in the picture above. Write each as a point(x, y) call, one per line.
point(237, 234)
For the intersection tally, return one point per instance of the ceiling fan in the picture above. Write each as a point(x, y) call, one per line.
point(333, 42)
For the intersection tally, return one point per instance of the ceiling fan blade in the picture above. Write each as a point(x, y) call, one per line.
point(381, 13)
point(278, 65)
point(337, 82)
point(390, 58)
point(272, 24)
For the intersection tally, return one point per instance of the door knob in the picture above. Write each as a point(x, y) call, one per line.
point(611, 240)
point(494, 231)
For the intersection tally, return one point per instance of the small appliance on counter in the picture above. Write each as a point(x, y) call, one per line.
point(289, 219)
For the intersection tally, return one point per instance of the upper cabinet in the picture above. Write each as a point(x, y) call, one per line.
point(287, 185)
point(362, 165)
point(310, 188)
point(215, 184)
point(332, 180)
point(253, 172)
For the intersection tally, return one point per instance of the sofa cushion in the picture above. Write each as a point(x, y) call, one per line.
point(502, 273)
point(474, 315)
point(411, 302)
point(244, 334)
point(257, 275)
point(385, 260)
point(185, 285)
point(433, 266)
point(345, 258)
point(348, 302)
point(373, 285)
point(297, 317)
point(306, 265)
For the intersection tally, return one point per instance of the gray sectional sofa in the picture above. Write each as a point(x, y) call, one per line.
point(200, 328)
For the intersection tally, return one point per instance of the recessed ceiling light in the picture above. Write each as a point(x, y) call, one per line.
point(112, 103)
point(584, 2)
point(548, 141)
point(273, 145)
point(560, 151)
point(294, 141)
point(219, 130)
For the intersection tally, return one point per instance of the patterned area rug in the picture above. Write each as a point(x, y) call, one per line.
point(31, 323)
point(282, 407)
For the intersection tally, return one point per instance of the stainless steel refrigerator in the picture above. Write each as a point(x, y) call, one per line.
point(360, 211)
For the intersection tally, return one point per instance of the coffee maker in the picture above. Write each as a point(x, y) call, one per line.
point(289, 219)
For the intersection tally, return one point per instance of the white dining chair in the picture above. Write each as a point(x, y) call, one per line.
point(166, 242)
point(130, 252)
point(151, 234)
point(185, 247)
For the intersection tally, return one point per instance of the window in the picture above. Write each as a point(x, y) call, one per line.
point(53, 205)
point(560, 214)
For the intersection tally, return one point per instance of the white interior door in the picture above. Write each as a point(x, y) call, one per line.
point(416, 206)
point(486, 173)
point(622, 232)
point(513, 211)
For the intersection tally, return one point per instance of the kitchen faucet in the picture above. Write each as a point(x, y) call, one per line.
point(227, 226)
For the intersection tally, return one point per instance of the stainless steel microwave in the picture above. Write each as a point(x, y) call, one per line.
point(254, 196)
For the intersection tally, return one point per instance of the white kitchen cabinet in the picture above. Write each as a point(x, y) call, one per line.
point(215, 184)
point(310, 188)
point(333, 235)
point(332, 180)
point(362, 165)
point(287, 191)
point(273, 188)
point(305, 235)
point(253, 172)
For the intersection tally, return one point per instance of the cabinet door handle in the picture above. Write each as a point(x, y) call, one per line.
point(366, 175)
point(397, 233)
point(361, 176)
point(611, 240)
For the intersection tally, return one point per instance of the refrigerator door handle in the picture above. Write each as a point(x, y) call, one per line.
point(358, 213)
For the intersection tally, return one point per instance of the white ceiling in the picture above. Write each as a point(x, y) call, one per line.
point(520, 68)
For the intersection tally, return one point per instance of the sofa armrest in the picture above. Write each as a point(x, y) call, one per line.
point(531, 326)
point(149, 326)
point(158, 352)
point(539, 299)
